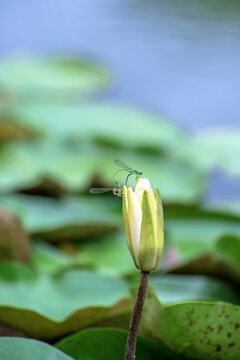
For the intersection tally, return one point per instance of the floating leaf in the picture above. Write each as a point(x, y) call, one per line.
point(228, 251)
point(212, 264)
point(178, 288)
point(65, 219)
point(48, 258)
point(219, 149)
point(74, 170)
point(109, 255)
point(73, 167)
point(106, 344)
point(47, 307)
point(231, 207)
point(27, 349)
point(27, 165)
point(18, 167)
point(202, 330)
point(193, 232)
point(50, 79)
point(105, 124)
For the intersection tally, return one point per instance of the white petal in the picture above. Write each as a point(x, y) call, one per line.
point(126, 198)
point(135, 220)
point(143, 184)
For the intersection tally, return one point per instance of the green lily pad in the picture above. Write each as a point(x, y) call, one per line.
point(42, 306)
point(193, 232)
point(217, 149)
point(75, 170)
point(48, 258)
point(25, 165)
point(105, 124)
point(228, 251)
point(222, 262)
point(108, 255)
point(106, 344)
point(196, 329)
point(202, 330)
point(19, 168)
point(66, 219)
point(50, 79)
point(74, 167)
point(231, 207)
point(171, 289)
point(27, 349)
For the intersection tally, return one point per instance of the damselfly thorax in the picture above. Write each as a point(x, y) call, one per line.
point(130, 171)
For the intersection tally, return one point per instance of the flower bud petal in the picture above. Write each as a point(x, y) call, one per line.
point(141, 186)
point(135, 219)
point(125, 220)
point(148, 240)
point(143, 222)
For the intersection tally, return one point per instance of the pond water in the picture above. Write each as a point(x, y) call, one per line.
point(176, 58)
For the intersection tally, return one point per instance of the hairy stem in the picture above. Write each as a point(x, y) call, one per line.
point(136, 317)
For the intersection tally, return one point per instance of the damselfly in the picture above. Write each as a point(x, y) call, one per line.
point(116, 191)
point(124, 167)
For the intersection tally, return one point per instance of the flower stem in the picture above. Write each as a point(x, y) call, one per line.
point(136, 317)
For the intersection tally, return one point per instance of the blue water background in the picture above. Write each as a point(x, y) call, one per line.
point(179, 59)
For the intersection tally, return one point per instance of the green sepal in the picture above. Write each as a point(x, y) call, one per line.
point(160, 225)
point(159, 206)
point(148, 242)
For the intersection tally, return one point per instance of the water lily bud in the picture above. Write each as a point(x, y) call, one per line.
point(143, 223)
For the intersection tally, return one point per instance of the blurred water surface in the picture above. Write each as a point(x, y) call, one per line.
point(177, 58)
point(180, 58)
